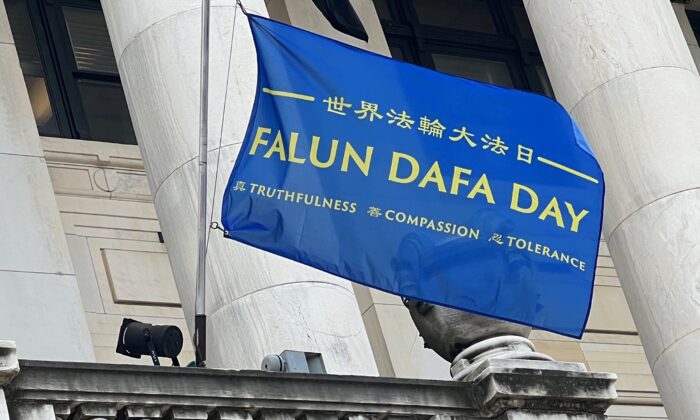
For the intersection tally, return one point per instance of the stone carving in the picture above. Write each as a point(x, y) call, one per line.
point(467, 340)
point(9, 367)
point(449, 331)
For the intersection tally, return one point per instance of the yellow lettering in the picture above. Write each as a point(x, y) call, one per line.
point(576, 218)
point(258, 139)
point(515, 199)
point(362, 164)
point(433, 175)
point(393, 172)
point(457, 179)
point(277, 147)
point(552, 210)
point(314, 153)
point(293, 149)
point(482, 186)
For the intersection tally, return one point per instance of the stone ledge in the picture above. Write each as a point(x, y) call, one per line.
point(540, 385)
point(498, 388)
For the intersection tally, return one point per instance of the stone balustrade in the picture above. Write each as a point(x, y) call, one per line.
point(497, 389)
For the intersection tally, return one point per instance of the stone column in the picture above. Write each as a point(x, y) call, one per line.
point(40, 305)
point(257, 303)
point(623, 69)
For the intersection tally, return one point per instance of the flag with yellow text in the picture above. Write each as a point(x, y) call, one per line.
point(418, 183)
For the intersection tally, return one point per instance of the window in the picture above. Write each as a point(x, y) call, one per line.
point(694, 19)
point(69, 69)
point(485, 40)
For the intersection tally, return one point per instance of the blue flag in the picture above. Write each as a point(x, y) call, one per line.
point(418, 183)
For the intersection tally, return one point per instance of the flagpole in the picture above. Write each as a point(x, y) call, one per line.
point(200, 318)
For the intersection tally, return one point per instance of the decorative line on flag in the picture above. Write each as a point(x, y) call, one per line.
point(567, 169)
point(289, 94)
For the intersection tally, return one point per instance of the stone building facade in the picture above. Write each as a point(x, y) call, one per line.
point(97, 227)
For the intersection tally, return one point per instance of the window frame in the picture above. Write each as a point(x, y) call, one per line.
point(61, 73)
point(419, 41)
point(694, 20)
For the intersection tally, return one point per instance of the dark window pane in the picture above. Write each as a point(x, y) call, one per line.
point(24, 37)
point(694, 19)
point(41, 106)
point(382, 9)
point(106, 112)
point(544, 81)
point(523, 22)
point(90, 40)
point(488, 71)
point(397, 53)
point(466, 15)
point(29, 61)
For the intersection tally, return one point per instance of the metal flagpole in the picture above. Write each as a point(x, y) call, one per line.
point(200, 318)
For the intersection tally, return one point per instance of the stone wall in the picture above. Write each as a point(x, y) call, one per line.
point(498, 389)
point(114, 239)
point(122, 271)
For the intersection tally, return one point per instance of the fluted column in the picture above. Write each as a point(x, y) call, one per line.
point(257, 303)
point(40, 304)
point(623, 69)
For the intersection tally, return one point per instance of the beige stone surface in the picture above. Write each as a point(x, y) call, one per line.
point(609, 311)
point(671, 286)
point(121, 266)
point(566, 351)
point(406, 349)
point(636, 412)
point(140, 277)
point(4, 414)
point(637, 158)
point(113, 285)
point(28, 222)
point(375, 333)
point(43, 314)
point(621, 68)
point(109, 226)
point(363, 296)
point(647, 31)
point(85, 274)
point(19, 133)
point(96, 204)
point(5, 32)
point(274, 319)
point(40, 305)
point(244, 285)
point(678, 361)
point(67, 179)
point(610, 345)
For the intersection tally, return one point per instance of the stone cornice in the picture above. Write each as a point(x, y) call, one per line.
point(92, 153)
point(500, 387)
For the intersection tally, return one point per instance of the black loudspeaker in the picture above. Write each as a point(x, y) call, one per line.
point(137, 339)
